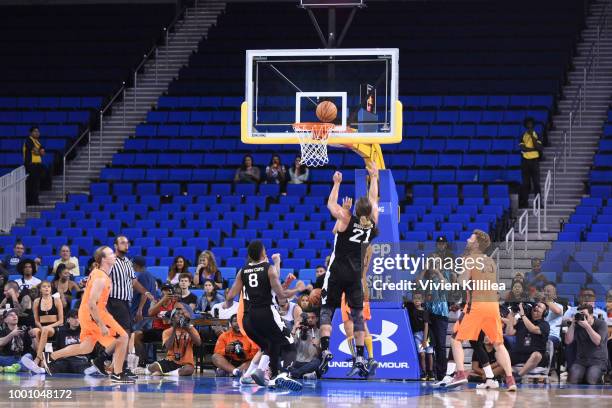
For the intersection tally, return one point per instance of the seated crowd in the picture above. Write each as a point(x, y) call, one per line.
point(542, 331)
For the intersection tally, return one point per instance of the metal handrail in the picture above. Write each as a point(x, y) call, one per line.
point(537, 207)
point(524, 226)
point(495, 255)
point(74, 145)
point(122, 91)
point(547, 185)
point(510, 247)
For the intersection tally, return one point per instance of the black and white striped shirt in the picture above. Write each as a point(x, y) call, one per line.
point(122, 273)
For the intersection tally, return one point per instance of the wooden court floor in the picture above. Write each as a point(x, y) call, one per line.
point(69, 391)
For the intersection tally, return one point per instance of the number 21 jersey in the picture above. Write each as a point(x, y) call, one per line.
point(347, 256)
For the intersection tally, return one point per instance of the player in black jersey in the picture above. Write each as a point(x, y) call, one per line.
point(259, 281)
point(344, 273)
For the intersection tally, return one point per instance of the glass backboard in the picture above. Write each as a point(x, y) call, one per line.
point(286, 86)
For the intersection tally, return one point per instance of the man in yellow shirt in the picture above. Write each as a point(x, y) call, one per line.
point(33, 151)
point(531, 152)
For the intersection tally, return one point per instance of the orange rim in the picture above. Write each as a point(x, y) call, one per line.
point(319, 130)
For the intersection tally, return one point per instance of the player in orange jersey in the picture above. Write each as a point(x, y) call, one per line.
point(97, 324)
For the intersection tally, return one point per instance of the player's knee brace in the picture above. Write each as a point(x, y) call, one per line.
point(327, 314)
point(481, 354)
point(357, 318)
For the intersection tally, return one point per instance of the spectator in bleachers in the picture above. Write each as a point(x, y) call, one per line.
point(233, 351)
point(178, 340)
point(185, 295)
point(517, 293)
point(555, 312)
point(9, 263)
point(226, 309)
point(276, 172)
point(71, 262)
point(247, 172)
point(307, 339)
point(21, 301)
point(33, 152)
point(304, 301)
point(207, 269)
point(15, 345)
point(590, 336)
point(531, 152)
point(27, 269)
point(48, 316)
point(67, 335)
point(535, 279)
point(141, 303)
point(179, 265)
point(298, 173)
point(290, 312)
point(63, 286)
point(160, 314)
point(210, 297)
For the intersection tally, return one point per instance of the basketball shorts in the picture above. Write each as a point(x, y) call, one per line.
point(481, 316)
point(168, 365)
point(264, 326)
point(120, 310)
point(338, 282)
point(91, 332)
point(346, 311)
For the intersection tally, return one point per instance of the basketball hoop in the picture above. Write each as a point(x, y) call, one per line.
point(313, 138)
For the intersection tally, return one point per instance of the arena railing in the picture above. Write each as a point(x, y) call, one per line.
point(165, 40)
point(547, 186)
point(509, 247)
point(537, 208)
point(523, 229)
point(87, 133)
point(589, 71)
point(12, 197)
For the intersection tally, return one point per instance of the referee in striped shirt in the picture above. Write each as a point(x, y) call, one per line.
point(124, 283)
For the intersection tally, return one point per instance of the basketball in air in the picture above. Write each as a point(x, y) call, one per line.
point(315, 297)
point(326, 111)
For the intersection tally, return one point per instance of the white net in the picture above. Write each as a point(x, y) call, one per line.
point(313, 142)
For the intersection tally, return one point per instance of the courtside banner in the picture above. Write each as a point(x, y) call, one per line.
point(392, 342)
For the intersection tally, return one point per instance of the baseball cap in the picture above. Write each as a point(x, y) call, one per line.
point(140, 261)
point(6, 312)
point(167, 286)
point(441, 238)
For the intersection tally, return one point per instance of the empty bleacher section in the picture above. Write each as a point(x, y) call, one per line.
point(170, 189)
point(60, 63)
point(583, 252)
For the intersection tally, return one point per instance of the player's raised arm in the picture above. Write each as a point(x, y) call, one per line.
point(275, 281)
point(347, 203)
point(334, 208)
point(373, 192)
point(236, 287)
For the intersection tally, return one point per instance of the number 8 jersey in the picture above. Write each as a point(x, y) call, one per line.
point(257, 290)
point(346, 259)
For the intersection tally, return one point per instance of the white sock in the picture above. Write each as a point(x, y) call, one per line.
point(251, 369)
point(264, 361)
point(174, 373)
point(450, 367)
point(488, 372)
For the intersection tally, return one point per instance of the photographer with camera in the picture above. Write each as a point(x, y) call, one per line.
point(531, 333)
point(308, 343)
point(233, 351)
point(590, 336)
point(160, 311)
point(178, 340)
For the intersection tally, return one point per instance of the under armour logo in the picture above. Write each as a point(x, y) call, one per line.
point(387, 345)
